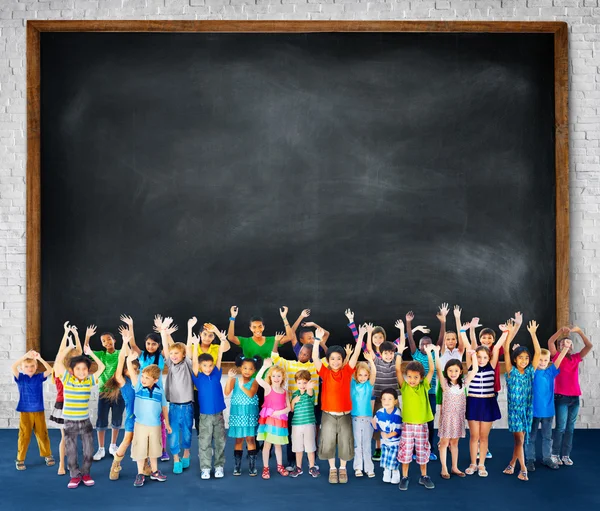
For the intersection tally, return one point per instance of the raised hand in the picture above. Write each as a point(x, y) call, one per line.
point(305, 313)
point(90, 331)
point(399, 324)
point(211, 328)
point(348, 349)
point(128, 320)
point(195, 340)
point(565, 330)
point(308, 324)
point(192, 322)
point(279, 336)
point(475, 323)
point(436, 348)
point(410, 315)
point(370, 327)
point(171, 330)
point(443, 312)
point(470, 353)
point(423, 329)
point(222, 334)
point(518, 318)
point(503, 327)
point(320, 333)
point(66, 326)
point(368, 356)
point(158, 322)
point(122, 330)
point(232, 373)
point(267, 362)
point(167, 322)
point(283, 312)
point(575, 329)
point(350, 315)
point(457, 311)
point(310, 385)
point(567, 343)
point(362, 329)
point(466, 326)
point(429, 348)
point(233, 312)
point(36, 355)
point(132, 356)
point(532, 327)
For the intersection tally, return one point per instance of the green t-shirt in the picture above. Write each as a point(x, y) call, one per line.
point(110, 360)
point(415, 403)
point(304, 410)
point(251, 349)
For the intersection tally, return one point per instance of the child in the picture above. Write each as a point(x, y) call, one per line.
point(453, 347)
point(453, 407)
point(120, 385)
point(388, 421)
point(243, 411)
point(77, 387)
point(273, 419)
point(416, 411)
point(519, 384)
point(303, 423)
point(543, 407)
point(31, 407)
point(361, 390)
point(149, 404)
point(206, 374)
point(566, 395)
point(336, 403)
point(305, 335)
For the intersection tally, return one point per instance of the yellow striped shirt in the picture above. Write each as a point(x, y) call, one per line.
point(291, 368)
point(77, 397)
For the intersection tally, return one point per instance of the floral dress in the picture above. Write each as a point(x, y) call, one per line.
point(520, 399)
point(452, 414)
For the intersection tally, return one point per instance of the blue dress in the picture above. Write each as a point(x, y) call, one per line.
point(520, 399)
point(243, 414)
point(128, 393)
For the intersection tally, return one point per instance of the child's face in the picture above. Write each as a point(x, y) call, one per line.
point(388, 401)
point(362, 375)
point(450, 341)
point(387, 356)
point(522, 360)
point(301, 384)
point(108, 343)
point(425, 341)
point(276, 378)
point(413, 378)
point(151, 346)
point(247, 370)
point(307, 337)
point(81, 371)
point(207, 366)
point(561, 345)
point(482, 358)
point(176, 355)
point(544, 361)
point(453, 373)
point(257, 328)
point(207, 337)
point(147, 380)
point(378, 339)
point(304, 354)
point(487, 340)
point(336, 361)
point(29, 368)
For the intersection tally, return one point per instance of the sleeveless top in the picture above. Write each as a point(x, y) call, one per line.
point(483, 382)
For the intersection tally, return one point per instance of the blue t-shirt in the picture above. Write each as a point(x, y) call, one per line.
point(543, 391)
point(210, 392)
point(31, 392)
point(128, 393)
point(361, 398)
point(146, 360)
point(148, 404)
point(389, 423)
point(422, 357)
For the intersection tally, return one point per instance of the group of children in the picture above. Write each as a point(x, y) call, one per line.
point(324, 402)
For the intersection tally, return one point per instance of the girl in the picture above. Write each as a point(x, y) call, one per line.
point(273, 421)
point(452, 414)
point(120, 382)
point(361, 390)
point(57, 413)
point(519, 384)
point(243, 414)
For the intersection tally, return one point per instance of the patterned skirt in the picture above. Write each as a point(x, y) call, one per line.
point(57, 415)
point(272, 429)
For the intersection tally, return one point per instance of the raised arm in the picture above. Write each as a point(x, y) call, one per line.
point(195, 364)
point(457, 313)
point(315, 355)
point(357, 349)
point(411, 341)
point(429, 349)
point(222, 350)
point(231, 330)
point(566, 346)
point(507, 341)
point(552, 341)
point(370, 338)
point(369, 357)
point(439, 369)
point(400, 326)
point(128, 320)
point(121, 363)
point(399, 375)
point(532, 329)
point(473, 325)
point(586, 342)
point(190, 337)
point(289, 333)
point(90, 331)
point(441, 315)
point(351, 325)
point(48, 370)
point(59, 366)
point(231, 377)
point(304, 314)
point(219, 335)
point(472, 355)
point(260, 376)
point(88, 351)
point(15, 367)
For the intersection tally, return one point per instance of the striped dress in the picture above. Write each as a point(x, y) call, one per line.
point(273, 429)
point(482, 404)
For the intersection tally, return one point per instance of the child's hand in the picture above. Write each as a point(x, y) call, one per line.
point(233, 312)
point(367, 354)
point(348, 349)
point(87, 350)
point(435, 348)
point(457, 311)
point(158, 323)
point(308, 324)
point(283, 312)
point(471, 353)
point(132, 356)
point(475, 323)
point(423, 329)
point(532, 327)
point(305, 313)
point(399, 324)
point(429, 348)
point(36, 355)
point(123, 331)
point(232, 373)
point(267, 363)
point(209, 327)
point(128, 320)
point(192, 322)
point(195, 340)
point(276, 413)
point(70, 343)
point(73, 329)
point(370, 327)
point(443, 312)
point(567, 343)
point(518, 318)
point(320, 333)
point(168, 428)
point(466, 326)
point(310, 385)
point(510, 324)
point(222, 335)
point(90, 331)
point(362, 329)
point(565, 330)
point(279, 336)
point(296, 400)
point(66, 326)
point(350, 315)
point(171, 329)
point(575, 329)
point(410, 315)
point(168, 321)
point(515, 346)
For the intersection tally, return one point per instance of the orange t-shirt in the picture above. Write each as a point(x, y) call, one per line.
point(335, 391)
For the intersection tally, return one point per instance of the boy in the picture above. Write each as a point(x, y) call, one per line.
point(388, 421)
point(303, 423)
point(110, 359)
point(150, 402)
point(31, 407)
point(77, 387)
point(206, 375)
point(416, 413)
point(543, 407)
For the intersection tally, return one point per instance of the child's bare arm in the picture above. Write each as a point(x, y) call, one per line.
point(411, 341)
point(473, 325)
point(88, 351)
point(554, 338)
point(369, 357)
point(532, 329)
point(165, 414)
point(315, 357)
point(429, 349)
point(587, 344)
point(231, 330)
point(567, 344)
point(474, 367)
point(259, 377)
point(441, 315)
point(221, 351)
point(399, 375)
point(48, 370)
point(15, 367)
point(130, 369)
point(231, 377)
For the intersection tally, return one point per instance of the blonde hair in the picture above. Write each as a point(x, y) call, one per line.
point(178, 346)
point(152, 370)
point(359, 367)
point(29, 361)
point(276, 369)
point(544, 352)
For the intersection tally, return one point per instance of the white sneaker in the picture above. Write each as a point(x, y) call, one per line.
point(567, 461)
point(387, 475)
point(100, 453)
point(205, 474)
point(395, 477)
point(219, 472)
point(113, 449)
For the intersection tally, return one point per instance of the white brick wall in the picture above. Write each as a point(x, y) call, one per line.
point(583, 17)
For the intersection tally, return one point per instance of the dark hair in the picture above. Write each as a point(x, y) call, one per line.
point(110, 334)
point(483, 348)
point(391, 392)
point(205, 357)
point(156, 355)
point(387, 346)
point(450, 363)
point(451, 332)
point(302, 331)
point(79, 360)
point(335, 349)
point(240, 359)
point(379, 330)
point(256, 318)
point(487, 331)
point(519, 351)
point(417, 367)
point(308, 345)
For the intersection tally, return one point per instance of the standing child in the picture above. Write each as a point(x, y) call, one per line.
point(388, 421)
point(416, 411)
point(243, 411)
point(77, 387)
point(304, 429)
point(206, 374)
point(453, 347)
point(363, 382)
point(273, 419)
point(31, 407)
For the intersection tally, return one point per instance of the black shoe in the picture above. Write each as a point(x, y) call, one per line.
point(237, 463)
point(252, 463)
point(427, 482)
point(530, 465)
point(403, 484)
point(376, 455)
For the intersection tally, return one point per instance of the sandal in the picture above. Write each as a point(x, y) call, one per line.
point(343, 476)
point(282, 471)
point(509, 470)
point(20, 465)
point(482, 471)
point(445, 475)
point(265, 473)
point(471, 470)
point(49, 461)
point(333, 476)
point(459, 473)
point(523, 475)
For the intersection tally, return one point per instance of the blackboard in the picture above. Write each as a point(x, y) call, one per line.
point(182, 173)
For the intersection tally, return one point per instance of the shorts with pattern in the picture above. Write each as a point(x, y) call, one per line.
point(389, 456)
point(414, 437)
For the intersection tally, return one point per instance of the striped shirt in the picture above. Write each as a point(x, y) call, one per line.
point(304, 410)
point(148, 404)
point(77, 397)
point(291, 368)
point(385, 378)
point(482, 384)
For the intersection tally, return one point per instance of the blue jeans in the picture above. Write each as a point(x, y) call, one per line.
point(546, 423)
point(104, 406)
point(181, 418)
point(566, 408)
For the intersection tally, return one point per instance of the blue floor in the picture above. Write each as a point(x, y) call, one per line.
point(568, 489)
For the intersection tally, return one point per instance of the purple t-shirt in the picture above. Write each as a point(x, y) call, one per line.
point(31, 392)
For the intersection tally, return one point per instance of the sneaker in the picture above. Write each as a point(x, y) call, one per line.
point(427, 482)
point(99, 454)
point(185, 462)
point(74, 482)
point(432, 457)
point(395, 476)
point(219, 472)
point(387, 475)
point(550, 463)
point(295, 472)
point(290, 467)
point(530, 465)
point(314, 471)
point(158, 476)
point(87, 480)
point(177, 467)
point(403, 484)
point(205, 474)
point(376, 455)
point(556, 459)
point(113, 449)
point(488, 456)
point(139, 480)
point(567, 461)
point(165, 456)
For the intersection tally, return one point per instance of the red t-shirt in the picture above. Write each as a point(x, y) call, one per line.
point(335, 391)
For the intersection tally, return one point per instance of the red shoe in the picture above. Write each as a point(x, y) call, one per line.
point(87, 480)
point(74, 482)
point(265, 473)
point(282, 471)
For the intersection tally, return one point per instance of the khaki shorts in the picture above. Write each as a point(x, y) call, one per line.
point(336, 431)
point(147, 442)
point(303, 438)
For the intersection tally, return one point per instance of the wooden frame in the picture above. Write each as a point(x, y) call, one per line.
point(34, 28)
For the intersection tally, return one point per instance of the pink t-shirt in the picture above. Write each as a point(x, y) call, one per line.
point(567, 381)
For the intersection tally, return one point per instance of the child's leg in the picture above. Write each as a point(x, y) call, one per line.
point(547, 438)
point(250, 443)
point(562, 409)
point(71, 431)
point(196, 412)
point(311, 459)
point(299, 456)
point(87, 441)
point(102, 420)
point(153, 464)
point(127, 438)
point(345, 440)
point(443, 449)
point(358, 446)
point(405, 451)
point(266, 450)
point(41, 434)
point(61, 452)
point(530, 445)
point(279, 454)
point(520, 455)
point(141, 465)
point(474, 428)
point(454, 452)
point(204, 441)
point(117, 409)
point(219, 439)
point(25, 429)
point(186, 429)
point(572, 411)
point(239, 444)
point(430, 424)
point(175, 411)
point(422, 445)
point(484, 434)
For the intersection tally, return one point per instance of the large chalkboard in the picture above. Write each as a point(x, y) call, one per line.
point(182, 173)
